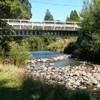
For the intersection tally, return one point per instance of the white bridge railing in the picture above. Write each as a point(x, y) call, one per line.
point(19, 24)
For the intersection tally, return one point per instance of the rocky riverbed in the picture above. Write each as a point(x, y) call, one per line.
point(79, 76)
point(53, 59)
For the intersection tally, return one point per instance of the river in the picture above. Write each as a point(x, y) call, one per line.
point(50, 58)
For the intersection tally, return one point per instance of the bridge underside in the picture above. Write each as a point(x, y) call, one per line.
point(21, 33)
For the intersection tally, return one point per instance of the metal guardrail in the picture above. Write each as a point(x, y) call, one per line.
point(46, 25)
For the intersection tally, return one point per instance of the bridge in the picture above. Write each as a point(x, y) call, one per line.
point(26, 27)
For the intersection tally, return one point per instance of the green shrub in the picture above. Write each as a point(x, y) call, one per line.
point(48, 38)
point(70, 48)
point(19, 53)
point(19, 58)
point(88, 53)
point(86, 48)
point(35, 43)
point(96, 52)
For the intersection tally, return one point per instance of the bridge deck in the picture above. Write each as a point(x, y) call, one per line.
point(47, 25)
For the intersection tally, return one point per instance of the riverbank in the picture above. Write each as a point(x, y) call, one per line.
point(60, 43)
point(83, 76)
point(15, 85)
point(60, 57)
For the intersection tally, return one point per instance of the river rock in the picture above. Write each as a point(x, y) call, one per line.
point(98, 85)
point(72, 77)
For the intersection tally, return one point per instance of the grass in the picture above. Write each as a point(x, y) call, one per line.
point(61, 43)
point(10, 83)
point(14, 85)
point(11, 75)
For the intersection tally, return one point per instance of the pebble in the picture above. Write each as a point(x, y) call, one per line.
point(98, 85)
point(78, 76)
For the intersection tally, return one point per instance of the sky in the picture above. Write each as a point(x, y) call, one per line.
point(60, 9)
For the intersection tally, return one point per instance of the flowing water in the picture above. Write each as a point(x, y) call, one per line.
point(50, 55)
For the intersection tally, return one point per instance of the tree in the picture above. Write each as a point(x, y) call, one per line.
point(91, 16)
point(73, 16)
point(11, 9)
point(25, 9)
point(87, 47)
point(15, 9)
point(4, 40)
point(48, 16)
point(95, 10)
point(90, 22)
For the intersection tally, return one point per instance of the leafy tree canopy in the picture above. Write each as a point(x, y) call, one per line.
point(15, 9)
point(86, 46)
point(11, 9)
point(91, 16)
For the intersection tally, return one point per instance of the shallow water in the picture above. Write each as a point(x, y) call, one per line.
point(45, 54)
point(50, 55)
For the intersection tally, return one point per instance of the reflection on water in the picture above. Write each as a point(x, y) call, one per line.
point(45, 54)
point(50, 55)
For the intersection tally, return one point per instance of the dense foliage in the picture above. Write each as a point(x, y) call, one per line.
point(19, 53)
point(39, 43)
point(35, 43)
point(15, 9)
point(87, 47)
point(4, 41)
point(12, 9)
point(91, 16)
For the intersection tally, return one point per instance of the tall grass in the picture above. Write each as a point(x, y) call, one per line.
point(11, 75)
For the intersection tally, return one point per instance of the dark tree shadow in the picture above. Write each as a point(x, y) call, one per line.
point(13, 93)
point(53, 92)
point(37, 90)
